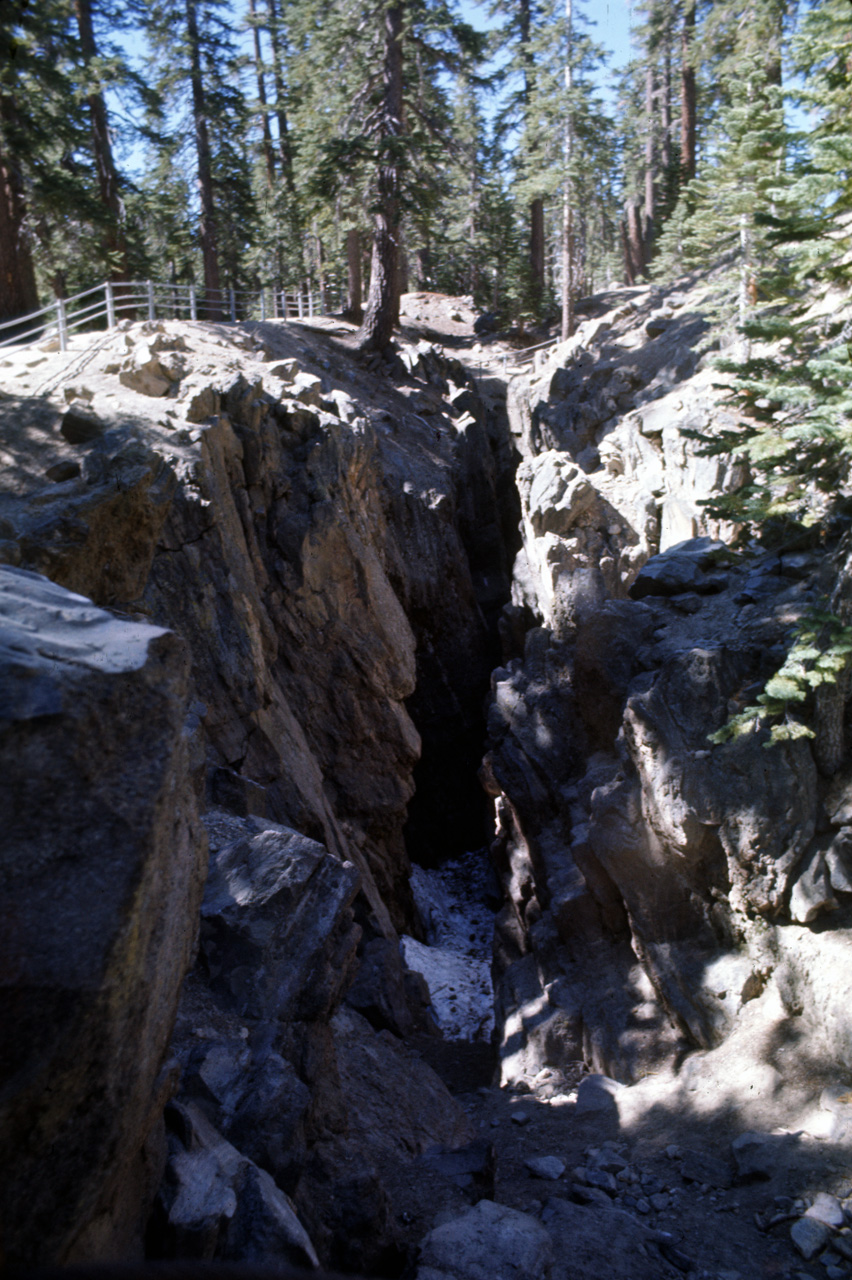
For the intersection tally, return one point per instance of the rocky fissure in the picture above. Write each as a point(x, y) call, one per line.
point(263, 608)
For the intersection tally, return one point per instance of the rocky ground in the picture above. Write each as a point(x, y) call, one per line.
point(715, 1176)
point(328, 543)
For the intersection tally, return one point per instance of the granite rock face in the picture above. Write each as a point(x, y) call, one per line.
point(329, 562)
point(101, 874)
point(656, 883)
point(333, 565)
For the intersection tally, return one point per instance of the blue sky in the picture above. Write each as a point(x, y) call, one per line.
point(611, 27)
point(611, 18)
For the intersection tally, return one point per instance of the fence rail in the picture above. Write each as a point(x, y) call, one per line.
point(107, 303)
point(154, 300)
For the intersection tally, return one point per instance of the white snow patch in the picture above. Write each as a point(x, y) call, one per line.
point(457, 962)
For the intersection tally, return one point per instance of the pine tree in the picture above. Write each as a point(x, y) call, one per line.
point(48, 203)
point(794, 392)
point(203, 100)
point(109, 184)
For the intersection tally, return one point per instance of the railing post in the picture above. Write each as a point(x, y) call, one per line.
point(262, 305)
point(310, 301)
point(233, 306)
point(110, 305)
point(301, 304)
point(152, 313)
point(283, 304)
point(193, 306)
point(62, 320)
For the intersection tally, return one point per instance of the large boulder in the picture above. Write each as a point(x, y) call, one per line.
point(101, 873)
point(489, 1242)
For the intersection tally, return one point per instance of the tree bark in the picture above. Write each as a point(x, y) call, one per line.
point(687, 93)
point(666, 110)
point(568, 187)
point(18, 294)
point(115, 239)
point(634, 246)
point(383, 298)
point(648, 229)
point(353, 261)
point(208, 235)
point(537, 250)
point(285, 150)
point(268, 153)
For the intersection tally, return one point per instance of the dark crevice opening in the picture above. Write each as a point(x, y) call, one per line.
point(450, 812)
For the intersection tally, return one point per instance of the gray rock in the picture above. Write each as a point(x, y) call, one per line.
point(608, 1160)
point(306, 389)
point(685, 567)
point(489, 1242)
point(597, 1178)
point(701, 1167)
point(756, 1156)
point(583, 1194)
point(812, 893)
point(273, 908)
point(843, 1245)
point(378, 992)
point(397, 1106)
point(599, 1241)
point(285, 369)
point(80, 424)
point(101, 873)
point(827, 1209)
point(548, 1167)
point(810, 1237)
point(472, 1167)
point(62, 471)
point(838, 861)
point(597, 1093)
point(520, 1118)
point(220, 1204)
point(256, 1100)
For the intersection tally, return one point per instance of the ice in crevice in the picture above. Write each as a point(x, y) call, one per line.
point(456, 903)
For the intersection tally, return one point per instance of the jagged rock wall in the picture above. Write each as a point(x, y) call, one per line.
point(656, 884)
point(103, 866)
point(303, 544)
point(327, 543)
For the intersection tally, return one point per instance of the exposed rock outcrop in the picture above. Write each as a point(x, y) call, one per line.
point(333, 564)
point(655, 881)
point(103, 866)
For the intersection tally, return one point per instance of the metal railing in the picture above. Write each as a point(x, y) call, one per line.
point(105, 304)
point(152, 300)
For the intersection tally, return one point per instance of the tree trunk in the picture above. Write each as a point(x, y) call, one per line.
point(568, 187)
point(18, 295)
point(353, 262)
point(268, 153)
point(634, 257)
point(285, 150)
point(115, 239)
point(650, 163)
point(321, 272)
point(383, 298)
point(537, 250)
point(687, 93)
point(669, 178)
point(208, 236)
